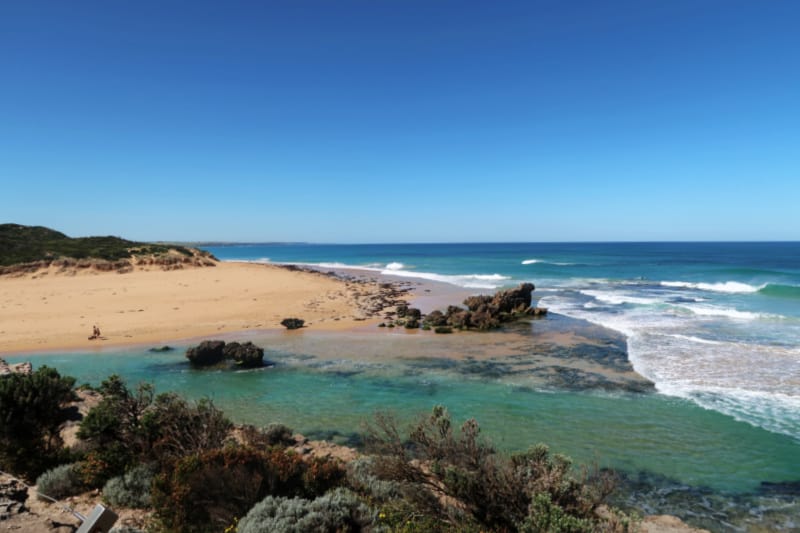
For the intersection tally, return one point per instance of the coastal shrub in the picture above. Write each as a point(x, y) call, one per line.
point(206, 491)
point(177, 428)
point(458, 476)
point(131, 489)
point(30, 415)
point(337, 511)
point(443, 329)
point(360, 477)
point(278, 435)
point(114, 431)
point(129, 427)
point(60, 482)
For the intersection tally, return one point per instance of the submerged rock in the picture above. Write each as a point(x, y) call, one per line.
point(161, 349)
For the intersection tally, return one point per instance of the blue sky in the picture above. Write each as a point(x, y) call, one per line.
point(402, 121)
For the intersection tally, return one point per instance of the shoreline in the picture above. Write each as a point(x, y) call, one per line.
point(48, 311)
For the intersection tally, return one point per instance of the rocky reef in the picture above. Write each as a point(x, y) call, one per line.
point(482, 312)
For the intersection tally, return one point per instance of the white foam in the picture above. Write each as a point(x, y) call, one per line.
point(469, 281)
point(691, 338)
point(395, 266)
point(730, 287)
point(616, 298)
point(536, 261)
point(710, 310)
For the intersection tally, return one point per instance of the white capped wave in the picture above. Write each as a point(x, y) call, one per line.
point(730, 287)
point(710, 310)
point(616, 298)
point(394, 266)
point(469, 281)
point(539, 261)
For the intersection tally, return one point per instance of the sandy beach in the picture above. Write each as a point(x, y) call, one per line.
point(49, 310)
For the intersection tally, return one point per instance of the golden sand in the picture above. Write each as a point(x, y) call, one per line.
point(47, 310)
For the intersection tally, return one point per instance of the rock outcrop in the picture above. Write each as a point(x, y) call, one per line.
point(19, 368)
point(207, 353)
point(13, 495)
point(292, 323)
point(210, 353)
point(486, 312)
point(246, 355)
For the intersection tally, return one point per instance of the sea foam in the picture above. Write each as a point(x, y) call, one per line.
point(730, 287)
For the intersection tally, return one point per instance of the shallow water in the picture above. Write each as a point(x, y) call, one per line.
point(670, 442)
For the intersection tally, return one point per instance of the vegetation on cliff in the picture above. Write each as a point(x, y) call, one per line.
point(196, 472)
point(33, 244)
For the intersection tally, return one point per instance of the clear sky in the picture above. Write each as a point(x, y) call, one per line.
point(402, 121)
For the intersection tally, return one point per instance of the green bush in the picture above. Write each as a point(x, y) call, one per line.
point(60, 482)
point(130, 490)
point(114, 432)
point(458, 477)
point(338, 511)
point(130, 427)
point(206, 491)
point(30, 415)
point(361, 478)
point(278, 435)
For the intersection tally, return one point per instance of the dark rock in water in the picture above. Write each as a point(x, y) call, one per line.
point(483, 320)
point(781, 487)
point(443, 329)
point(292, 323)
point(459, 319)
point(402, 310)
point(206, 354)
point(435, 318)
point(161, 349)
point(486, 313)
point(413, 312)
point(246, 355)
point(412, 323)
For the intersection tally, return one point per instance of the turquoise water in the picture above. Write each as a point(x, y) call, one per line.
point(668, 436)
point(715, 323)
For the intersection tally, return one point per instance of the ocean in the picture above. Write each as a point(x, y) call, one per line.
point(716, 327)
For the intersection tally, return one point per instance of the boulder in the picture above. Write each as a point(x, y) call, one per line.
point(413, 312)
point(435, 318)
point(13, 494)
point(246, 355)
point(206, 353)
point(292, 323)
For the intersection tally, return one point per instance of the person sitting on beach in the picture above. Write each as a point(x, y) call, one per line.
point(95, 333)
